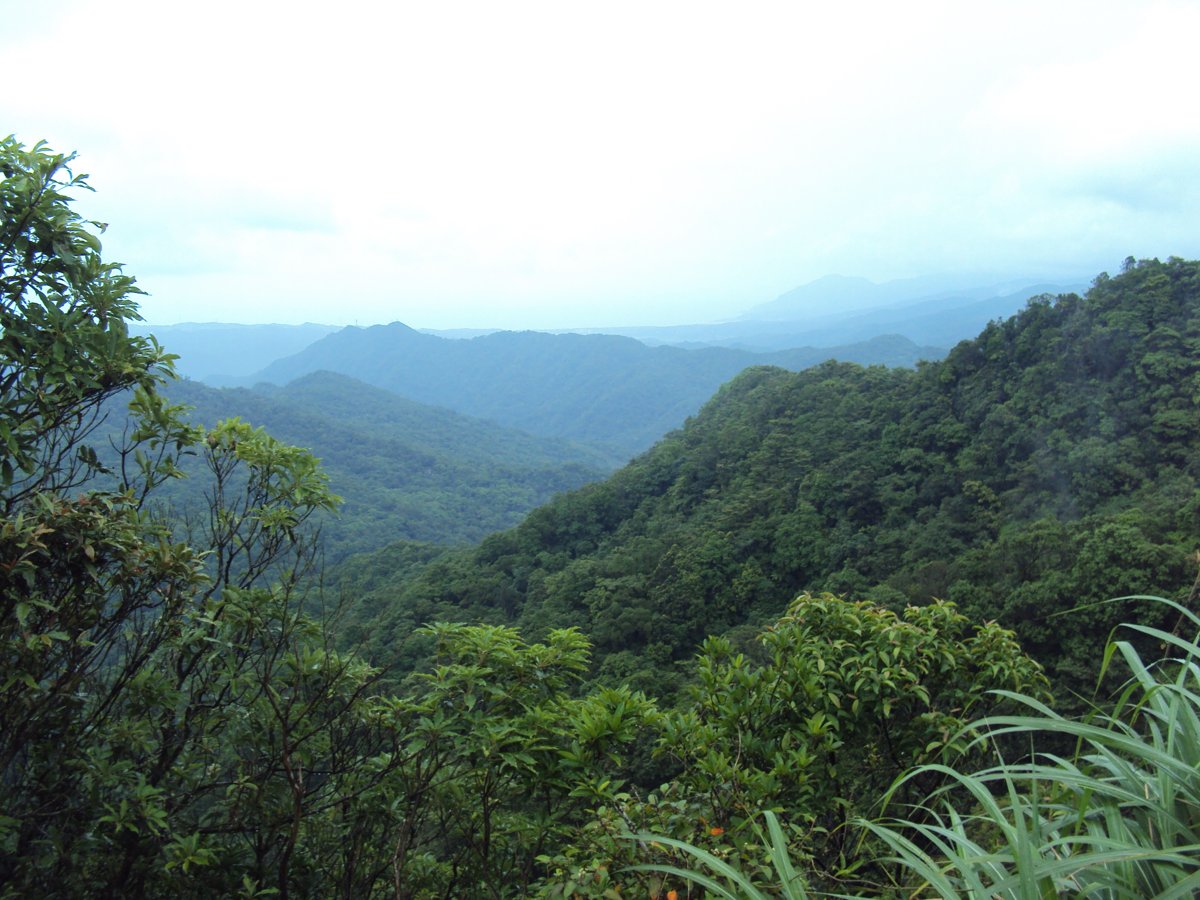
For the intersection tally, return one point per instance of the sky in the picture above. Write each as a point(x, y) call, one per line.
point(565, 164)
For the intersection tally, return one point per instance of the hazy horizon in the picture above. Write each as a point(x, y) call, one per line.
point(865, 306)
point(549, 166)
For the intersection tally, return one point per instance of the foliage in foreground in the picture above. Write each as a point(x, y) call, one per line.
point(726, 880)
point(1120, 817)
point(847, 696)
point(837, 699)
point(161, 695)
point(175, 721)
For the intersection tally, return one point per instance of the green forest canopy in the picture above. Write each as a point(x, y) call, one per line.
point(1049, 463)
point(405, 471)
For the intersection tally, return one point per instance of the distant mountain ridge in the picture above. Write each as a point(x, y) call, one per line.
point(839, 310)
point(841, 293)
point(832, 312)
point(943, 319)
point(606, 390)
point(218, 353)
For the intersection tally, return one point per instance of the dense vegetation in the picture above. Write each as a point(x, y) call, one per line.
point(1049, 463)
point(404, 471)
point(600, 389)
point(177, 721)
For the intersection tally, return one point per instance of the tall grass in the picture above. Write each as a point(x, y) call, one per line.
point(1119, 818)
point(727, 881)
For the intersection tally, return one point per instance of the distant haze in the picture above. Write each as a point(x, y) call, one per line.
point(554, 165)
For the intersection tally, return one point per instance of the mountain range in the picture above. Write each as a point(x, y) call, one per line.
point(838, 310)
point(219, 353)
point(609, 391)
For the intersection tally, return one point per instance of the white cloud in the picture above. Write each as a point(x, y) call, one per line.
point(537, 164)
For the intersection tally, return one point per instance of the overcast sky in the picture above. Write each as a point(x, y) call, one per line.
point(514, 164)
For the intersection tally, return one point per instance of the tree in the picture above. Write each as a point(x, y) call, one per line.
point(168, 709)
point(65, 347)
point(496, 760)
point(175, 723)
point(845, 698)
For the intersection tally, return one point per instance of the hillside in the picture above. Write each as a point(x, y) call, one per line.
point(406, 471)
point(1049, 462)
point(601, 389)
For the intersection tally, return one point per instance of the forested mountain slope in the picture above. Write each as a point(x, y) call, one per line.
point(1050, 462)
point(597, 388)
point(405, 470)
